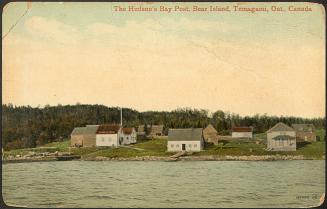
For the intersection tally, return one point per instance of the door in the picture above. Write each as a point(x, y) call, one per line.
point(183, 146)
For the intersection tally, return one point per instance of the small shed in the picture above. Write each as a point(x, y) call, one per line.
point(210, 134)
point(281, 137)
point(242, 132)
point(156, 130)
point(305, 132)
point(189, 139)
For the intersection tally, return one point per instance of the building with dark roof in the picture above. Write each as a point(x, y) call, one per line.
point(114, 135)
point(281, 137)
point(305, 132)
point(189, 139)
point(242, 132)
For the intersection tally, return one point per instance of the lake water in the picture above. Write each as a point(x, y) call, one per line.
point(164, 184)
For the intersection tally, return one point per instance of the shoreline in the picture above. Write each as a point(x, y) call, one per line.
point(183, 158)
point(206, 158)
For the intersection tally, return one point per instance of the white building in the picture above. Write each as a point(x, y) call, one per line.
point(281, 137)
point(107, 135)
point(242, 132)
point(190, 139)
point(114, 135)
point(127, 136)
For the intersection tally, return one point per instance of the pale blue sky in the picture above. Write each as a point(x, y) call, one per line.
point(238, 61)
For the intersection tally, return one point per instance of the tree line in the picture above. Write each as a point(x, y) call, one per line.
point(25, 126)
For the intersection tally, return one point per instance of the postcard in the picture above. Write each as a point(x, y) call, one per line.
point(163, 104)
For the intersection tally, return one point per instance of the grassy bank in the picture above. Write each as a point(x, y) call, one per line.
point(157, 147)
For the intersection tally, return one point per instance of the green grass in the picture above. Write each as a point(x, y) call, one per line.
point(321, 133)
point(235, 148)
point(61, 146)
point(155, 147)
point(313, 150)
point(120, 152)
point(260, 136)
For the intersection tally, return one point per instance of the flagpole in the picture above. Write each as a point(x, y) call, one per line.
point(121, 116)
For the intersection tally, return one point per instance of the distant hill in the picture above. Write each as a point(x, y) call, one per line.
point(25, 126)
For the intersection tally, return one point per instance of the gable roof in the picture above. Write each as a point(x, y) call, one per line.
point(242, 129)
point(280, 127)
point(108, 129)
point(303, 127)
point(89, 129)
point(210, 129)
point(78, 131)
point(187, 134)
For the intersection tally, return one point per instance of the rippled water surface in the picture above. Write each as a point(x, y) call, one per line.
point(164, 184)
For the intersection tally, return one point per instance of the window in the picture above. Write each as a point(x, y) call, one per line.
point(102, 139)
point(172, 145)
point(190, 145)
point(177, 145)
point(195, 145)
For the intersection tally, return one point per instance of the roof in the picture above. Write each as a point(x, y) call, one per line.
point(304, 127)
point(78, 131)
point(127, 130)
point(89, 129)
point(187, 134)
point(283, 137)
point(280, 127)
point(108, 129)
point(210, 128)
point(242, 129)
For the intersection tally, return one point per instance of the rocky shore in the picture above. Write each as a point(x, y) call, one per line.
point(40, 157)
point(204, 158)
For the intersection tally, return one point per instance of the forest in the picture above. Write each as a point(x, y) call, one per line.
point(26, 126)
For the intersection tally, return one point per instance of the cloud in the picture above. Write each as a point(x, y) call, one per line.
point(51, 29)
point(184, 61)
